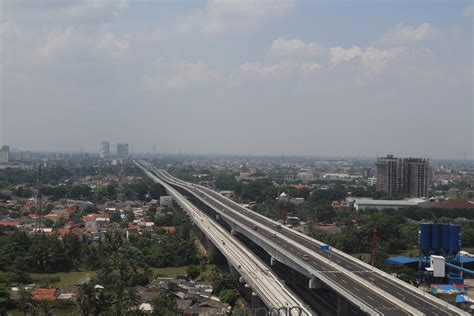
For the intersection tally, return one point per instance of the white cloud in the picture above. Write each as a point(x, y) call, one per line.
point(220, 16)
point(56, 40)
point(340, 55)
point(112, 44)
point(86, 11)
point(469, 10)
point(259, 70)
point(373, 59)
point(284, 47)
point(179, 74)
point(310, 67)
point(405, 34)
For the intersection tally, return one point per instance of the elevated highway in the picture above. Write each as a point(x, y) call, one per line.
point(372, 290)
point(278, 299)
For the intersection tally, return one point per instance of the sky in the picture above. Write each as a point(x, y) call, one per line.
point(246, 77)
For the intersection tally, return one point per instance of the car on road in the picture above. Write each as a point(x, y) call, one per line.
point(305, 257)
point(255, 227)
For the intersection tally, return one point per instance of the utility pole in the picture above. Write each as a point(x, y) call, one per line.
point(39, 200)
point(120, 185)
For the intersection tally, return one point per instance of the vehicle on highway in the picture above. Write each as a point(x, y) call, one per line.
point(305, 257)
point(274, 235)
point(255, 227)
point(278, 226)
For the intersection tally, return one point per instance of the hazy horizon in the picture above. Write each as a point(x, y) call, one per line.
point(338, 79)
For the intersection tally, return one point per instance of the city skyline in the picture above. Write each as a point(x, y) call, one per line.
point(239, 78)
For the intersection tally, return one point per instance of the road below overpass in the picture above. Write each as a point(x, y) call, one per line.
point(384, 295)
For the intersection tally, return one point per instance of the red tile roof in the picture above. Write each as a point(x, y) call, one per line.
point(455, 204)
point(326, 226)
point(91, 217)
point(41, 294)
point(302, 186)
point(16, 223)
point(169, 229)
point(63, 231)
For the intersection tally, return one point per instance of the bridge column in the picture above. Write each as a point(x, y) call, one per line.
point(273, 261)
point(342, 306)
point(314, 284)
point(254, 302)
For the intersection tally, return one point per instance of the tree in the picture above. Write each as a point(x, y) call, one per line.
point(111, 190)
point(48, 222)
point(222, 281)
point(193, 271)
point(228, 296)
point(164, 305)
point(25, 302)
point(156, 190)
point(90, 209)
point(131, 299)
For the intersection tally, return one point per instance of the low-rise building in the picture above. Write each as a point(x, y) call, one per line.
point(166, 200)
point(361, 204)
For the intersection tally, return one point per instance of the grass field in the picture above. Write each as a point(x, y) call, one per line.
point(67, 278)
point(71, 278)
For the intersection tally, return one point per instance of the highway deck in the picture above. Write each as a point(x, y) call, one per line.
point(370, 287)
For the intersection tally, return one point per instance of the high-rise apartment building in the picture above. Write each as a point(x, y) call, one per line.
point(5, 154)
point(416, 176)
point(122, 150)
point(403, 176)
point(104, 149)
point(387, 175)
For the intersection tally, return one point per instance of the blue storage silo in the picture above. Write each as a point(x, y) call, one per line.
point(454, 239)
point(424, 237)
point(445, 236)
point(435, 237)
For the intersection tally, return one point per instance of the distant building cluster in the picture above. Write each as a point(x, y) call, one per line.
point(14, 158)
point(403, 176)
point(5, 154)
point(122, 150)
point(104, 150)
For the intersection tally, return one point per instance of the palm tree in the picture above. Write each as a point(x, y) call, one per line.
point(26, 303)
point(84, 299)
point(131, 299)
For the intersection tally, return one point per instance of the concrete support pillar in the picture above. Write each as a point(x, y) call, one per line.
point(314, 284)
point(342, 306)
point(273, 261)
point(254, 302)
